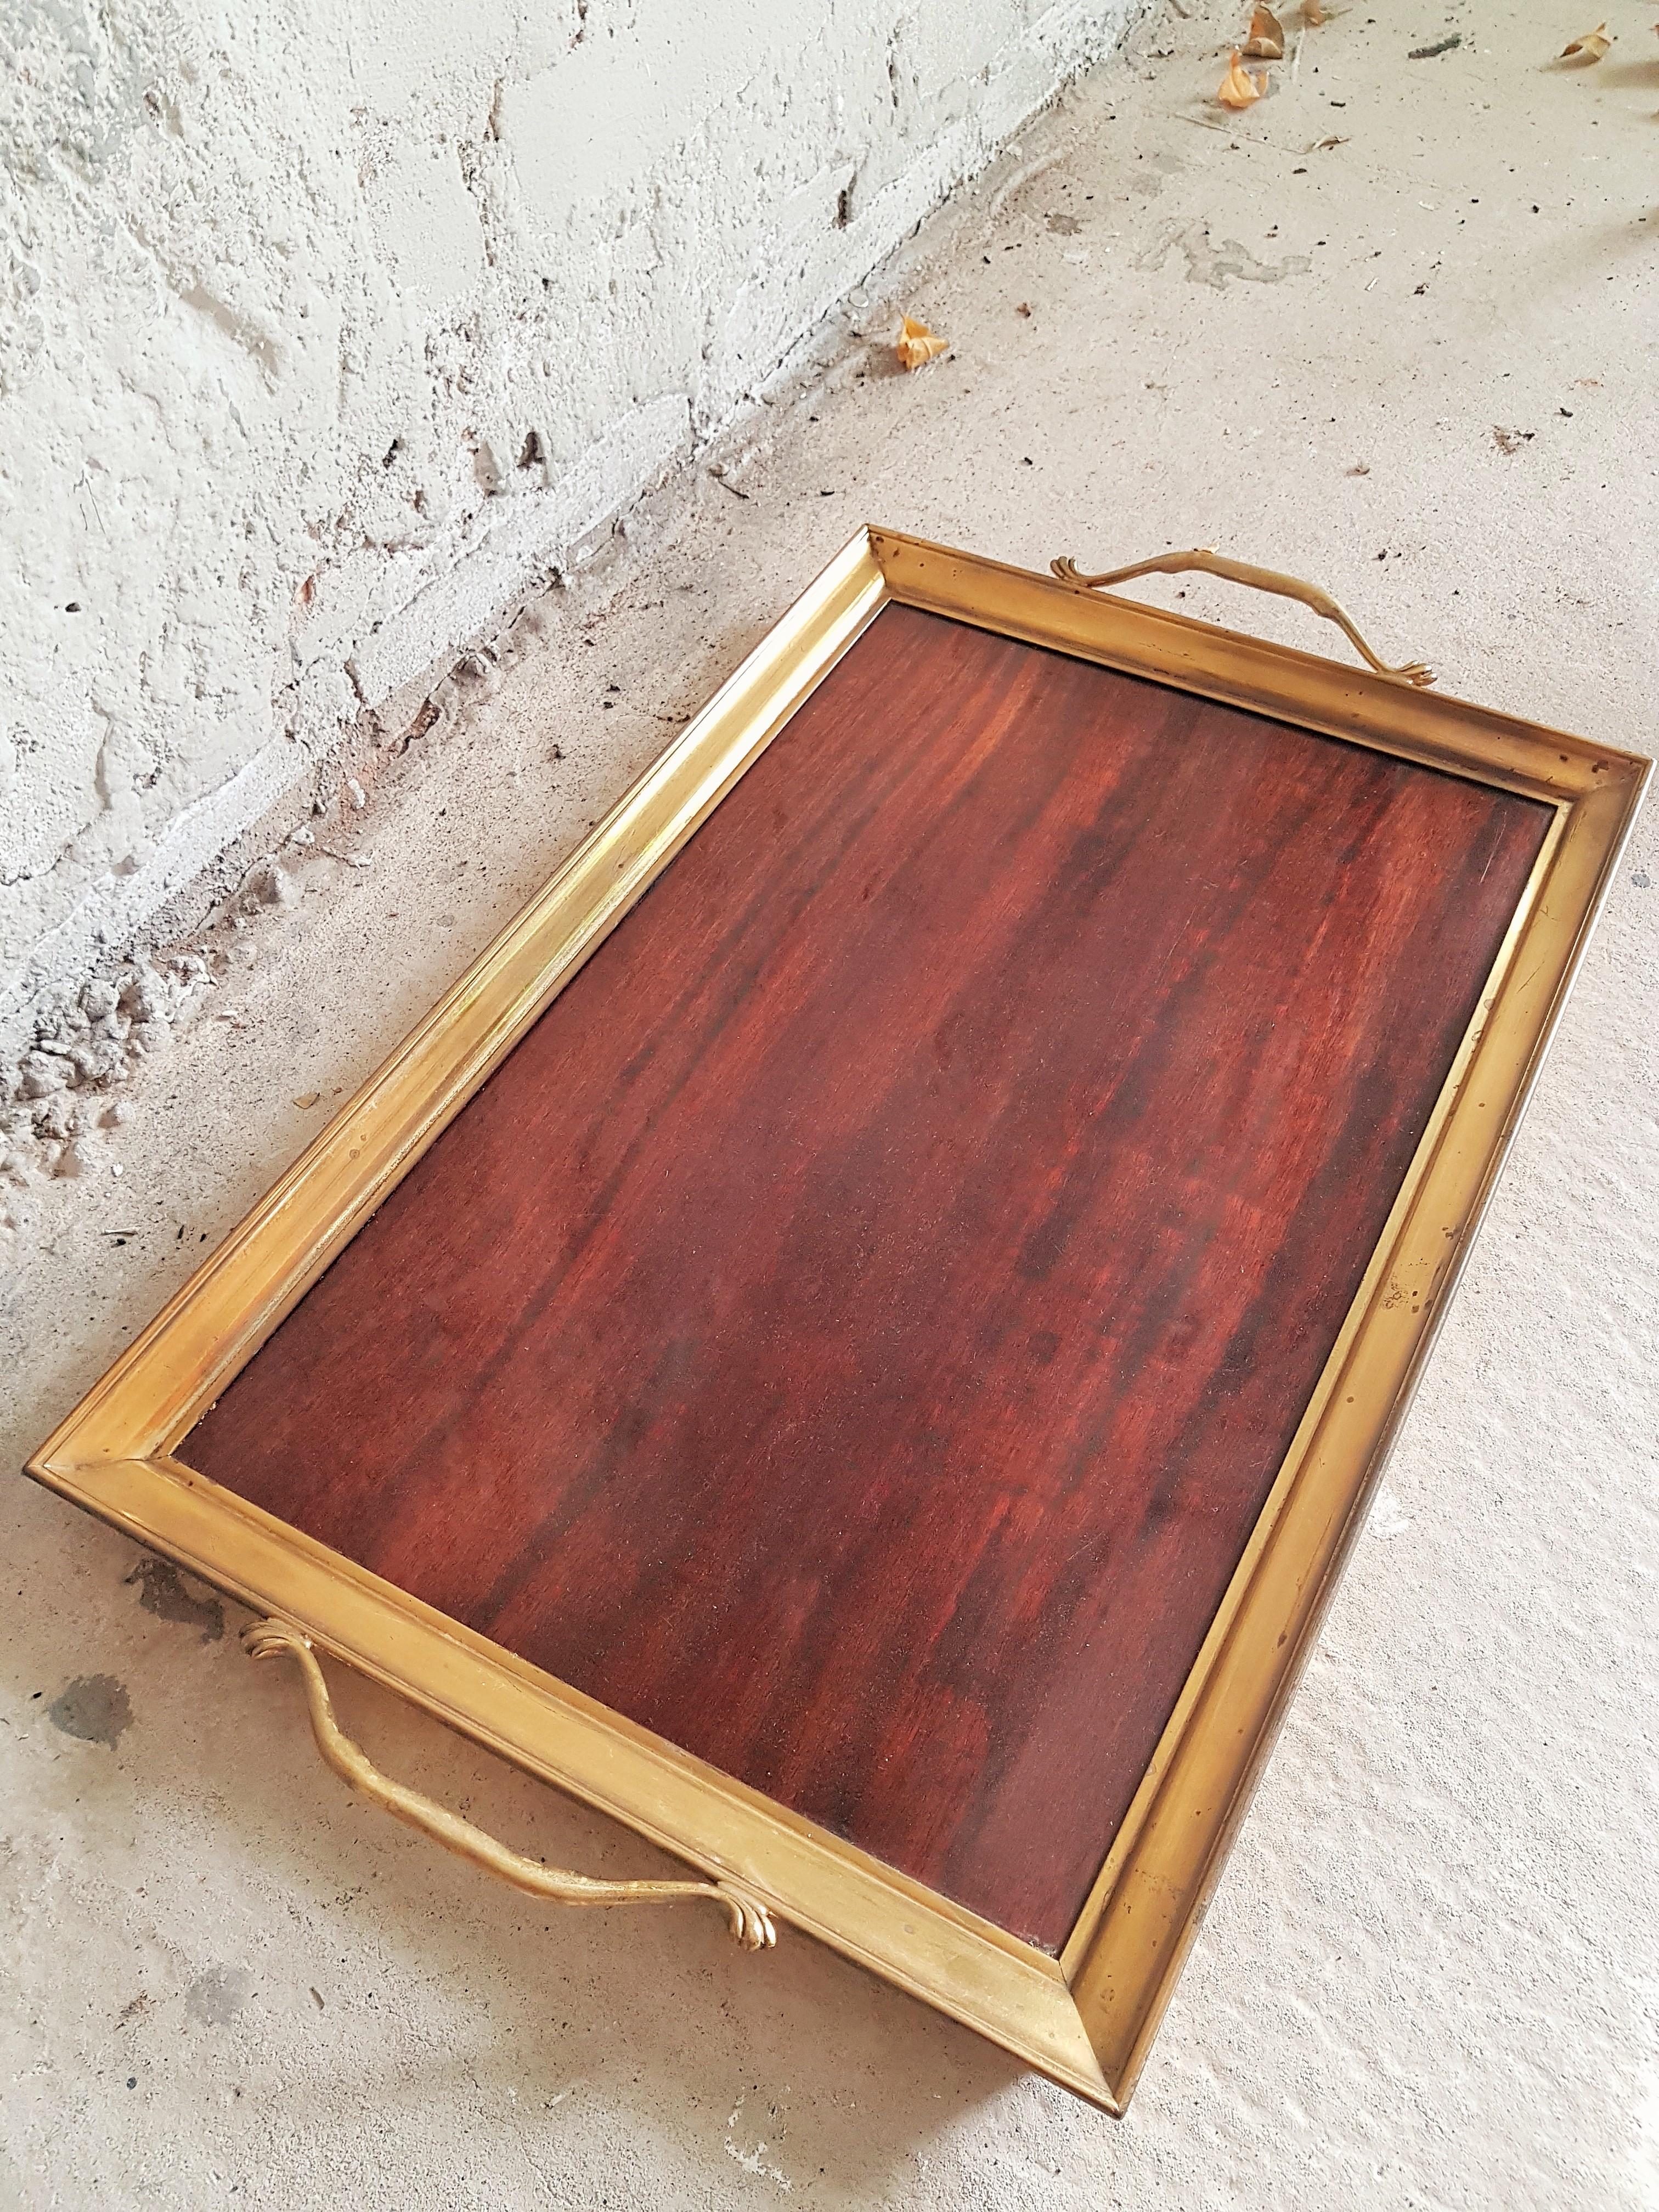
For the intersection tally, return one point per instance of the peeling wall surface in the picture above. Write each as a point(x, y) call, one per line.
point(326, 332)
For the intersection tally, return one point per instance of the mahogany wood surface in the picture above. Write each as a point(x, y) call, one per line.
point(855, 1332)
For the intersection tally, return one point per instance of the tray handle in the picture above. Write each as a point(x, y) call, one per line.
point(1203, 559)
point(750, 1922)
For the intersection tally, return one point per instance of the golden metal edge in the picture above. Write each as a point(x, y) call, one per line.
point(408, 1100)
point(1389, 1253)
point(117, 1423)
point(121, 1431)
point(925, 1944)
point(1302, 689)
point(1595, 802)
point(1290, 1586)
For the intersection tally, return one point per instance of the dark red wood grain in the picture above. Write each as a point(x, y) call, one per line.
point(855, 1332)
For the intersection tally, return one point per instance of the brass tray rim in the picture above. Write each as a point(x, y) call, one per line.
point(1086, 2018)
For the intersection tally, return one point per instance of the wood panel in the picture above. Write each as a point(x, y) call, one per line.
point(855, 1332)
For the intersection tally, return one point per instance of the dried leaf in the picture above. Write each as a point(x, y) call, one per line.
point(1265, 41)
point(916, 344)
point(1314, 13)
point(307, 1098)
point(1238, 88)
point(1592, 45)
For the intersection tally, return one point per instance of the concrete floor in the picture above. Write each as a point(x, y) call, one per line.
point(1428, 1978)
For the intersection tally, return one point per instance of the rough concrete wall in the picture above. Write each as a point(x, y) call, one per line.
point(325, 332)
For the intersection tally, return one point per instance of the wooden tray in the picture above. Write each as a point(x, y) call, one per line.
point(874, 1387)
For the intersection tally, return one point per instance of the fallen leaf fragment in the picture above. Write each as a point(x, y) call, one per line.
point(1326, 144)
point(1312, 12)
point(1238, 88)
point(1592, 45)
point(308, 1098)
point(1265, 41)
point(916, 345)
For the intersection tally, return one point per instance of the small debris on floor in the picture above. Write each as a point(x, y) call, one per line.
point(308, 1098)
point(1589, 48)
point(1440, 47)
point(1510, 441)
point(1265, 40)
point(916, 345)
point(1025, 308)
point(1240, 88)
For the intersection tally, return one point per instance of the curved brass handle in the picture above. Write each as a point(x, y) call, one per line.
point(1210, 563)
point(751, 1922)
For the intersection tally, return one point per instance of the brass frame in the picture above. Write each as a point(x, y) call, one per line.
point(1086, 2017)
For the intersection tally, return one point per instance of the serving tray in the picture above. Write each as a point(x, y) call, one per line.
point(861, 1351)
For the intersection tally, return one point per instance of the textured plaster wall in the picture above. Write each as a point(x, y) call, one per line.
point(324, 333)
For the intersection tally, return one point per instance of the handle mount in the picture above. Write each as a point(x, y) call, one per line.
point(750, 1921)
point(1202, 559)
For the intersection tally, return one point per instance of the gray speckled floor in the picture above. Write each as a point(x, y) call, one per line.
point(1428, 1978)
